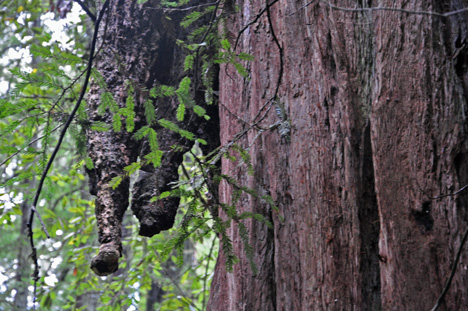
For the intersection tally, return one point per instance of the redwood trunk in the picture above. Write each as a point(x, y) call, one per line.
point(376, 103)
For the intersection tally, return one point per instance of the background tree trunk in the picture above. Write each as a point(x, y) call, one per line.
point(377, 109)
point(23, 270)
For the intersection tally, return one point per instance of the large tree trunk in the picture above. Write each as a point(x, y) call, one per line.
point(376, 103)
point(139, 52)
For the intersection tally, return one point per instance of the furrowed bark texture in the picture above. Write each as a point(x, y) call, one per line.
point(376, 103)
point(138, 49)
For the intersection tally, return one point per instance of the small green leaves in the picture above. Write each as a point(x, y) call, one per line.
point(191, 18)
point(180, 112)
point(107, 103)
point(200, 111)
point(116, 123)
point(100, 126)
point(115, 182)
point(188, 63)
point(150, 112)
point(132, 168)
point(154, 158)
point(225, 44)
point(230, 57)
point(246, 56)
point(153, 139)
point(173, 127)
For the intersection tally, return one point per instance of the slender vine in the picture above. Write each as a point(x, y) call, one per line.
point(54, 153)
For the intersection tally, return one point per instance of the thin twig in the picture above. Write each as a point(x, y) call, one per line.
point(450, 194)
point(29, 144)
point(452, 273)
point(55, 104)
point(375, 9)
point(442, 195)
point(185, 9)
point(206, 272)
point(54, 153)
point(85, 8)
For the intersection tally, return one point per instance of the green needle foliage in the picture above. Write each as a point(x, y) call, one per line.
point(40, 81)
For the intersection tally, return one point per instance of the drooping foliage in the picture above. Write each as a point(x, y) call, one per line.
point(42, 72)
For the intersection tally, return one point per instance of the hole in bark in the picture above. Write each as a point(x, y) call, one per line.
point(424, 217)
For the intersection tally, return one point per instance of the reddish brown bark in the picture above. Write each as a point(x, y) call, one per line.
point(377, 108)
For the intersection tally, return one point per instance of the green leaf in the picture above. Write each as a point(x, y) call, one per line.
point(89, 163)
point(153, 140)
point(200, 111)
point(129, 111)
point(168, 90)
point(225, 44)
point(132, 168)
point(116, 122)
point(150, 112)
point(189, 19)
point(241, 70)
point(115, 182)
point(184, 85)
point(99, 126)
point(173, 127)
point(180, 112)
point(202, 141)
point(154, 158)
point(40, 51)
point(142, 132)
point(188, 63)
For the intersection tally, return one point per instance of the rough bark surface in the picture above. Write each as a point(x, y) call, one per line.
point(377, 109)
point(138, 48)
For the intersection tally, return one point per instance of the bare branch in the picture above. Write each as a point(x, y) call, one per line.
point(376, 9)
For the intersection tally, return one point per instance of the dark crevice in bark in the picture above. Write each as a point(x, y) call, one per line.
point(369, 225)
point(423, 216)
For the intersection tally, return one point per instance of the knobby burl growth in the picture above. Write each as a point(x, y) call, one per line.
point(138, 49)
